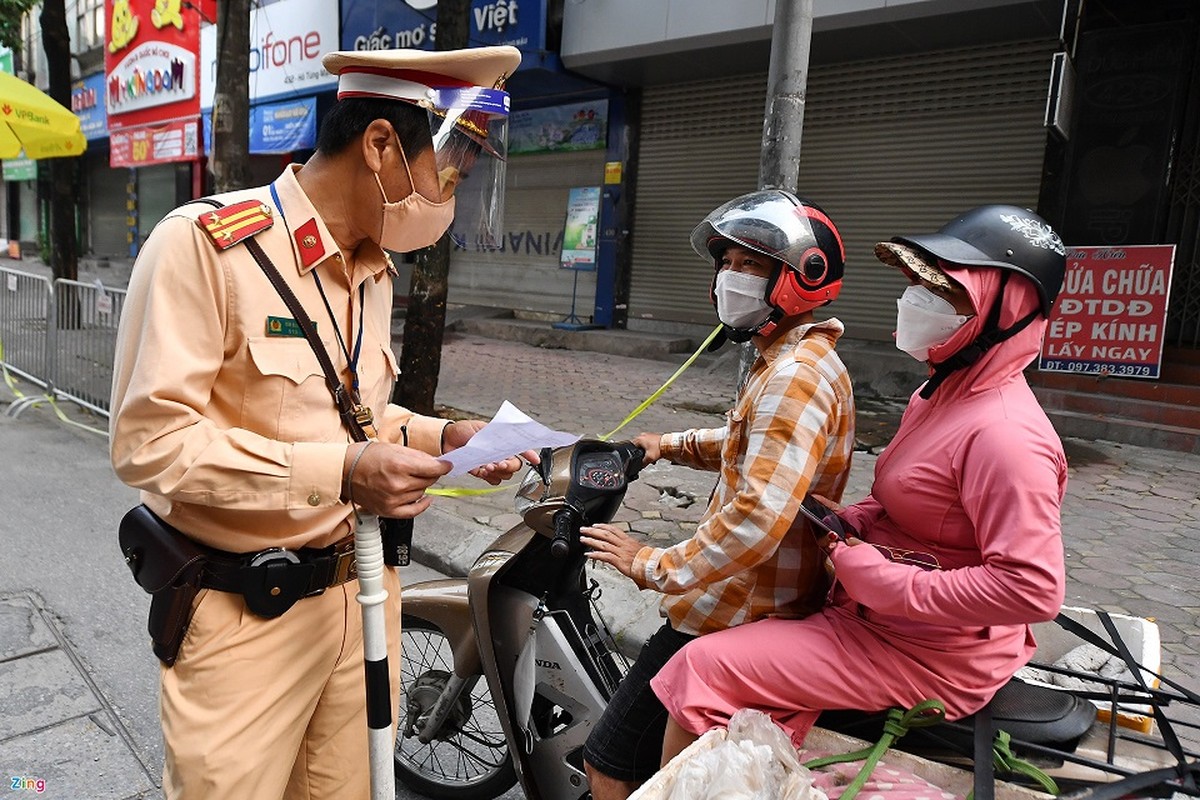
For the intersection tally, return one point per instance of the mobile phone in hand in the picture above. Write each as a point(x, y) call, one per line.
point(817, 514)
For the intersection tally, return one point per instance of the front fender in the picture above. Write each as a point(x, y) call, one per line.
point(445, 603)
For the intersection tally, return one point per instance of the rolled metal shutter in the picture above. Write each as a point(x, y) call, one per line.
point(525, 275)
point(108, 207)
point(890, 146)
point(155, 196)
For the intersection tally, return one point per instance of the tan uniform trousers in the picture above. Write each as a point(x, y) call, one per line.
point(273, 708)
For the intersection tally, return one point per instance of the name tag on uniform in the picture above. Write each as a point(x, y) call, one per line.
point(285, 326)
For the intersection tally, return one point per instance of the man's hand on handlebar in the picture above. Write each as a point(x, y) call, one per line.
point(611, 545)
point(649, 443)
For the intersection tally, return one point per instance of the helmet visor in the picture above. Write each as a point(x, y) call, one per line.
point(470, 142)
point(767, 222)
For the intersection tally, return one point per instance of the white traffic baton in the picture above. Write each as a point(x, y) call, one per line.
point(381, 743)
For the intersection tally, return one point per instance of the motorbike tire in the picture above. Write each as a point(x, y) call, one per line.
point(470, 759)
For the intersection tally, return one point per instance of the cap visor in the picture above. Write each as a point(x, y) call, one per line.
point(912, 263)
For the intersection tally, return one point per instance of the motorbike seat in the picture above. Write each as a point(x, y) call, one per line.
point(1040, 715)
point(1028, 712)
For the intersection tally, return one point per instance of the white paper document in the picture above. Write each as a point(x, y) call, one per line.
point(509, 433)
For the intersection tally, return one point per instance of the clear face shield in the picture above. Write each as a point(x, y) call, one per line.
point(470, 142)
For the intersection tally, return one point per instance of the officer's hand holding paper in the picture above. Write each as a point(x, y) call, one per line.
point(509, 431)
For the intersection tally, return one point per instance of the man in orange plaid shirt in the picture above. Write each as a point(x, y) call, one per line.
point(791, 432)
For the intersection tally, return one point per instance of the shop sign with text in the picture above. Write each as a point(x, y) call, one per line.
point(150, 63)
point(580, 228)
point(287, 40)
point(178, 140)
point(87, 103)
point(277, 128)
point(20, 169)
point(1111, 315)
point(389, 24)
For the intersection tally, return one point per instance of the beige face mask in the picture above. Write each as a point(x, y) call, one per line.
point(414, 222)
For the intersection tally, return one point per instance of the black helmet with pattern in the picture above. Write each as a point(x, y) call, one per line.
point(1007, 237)
point(1011, 239)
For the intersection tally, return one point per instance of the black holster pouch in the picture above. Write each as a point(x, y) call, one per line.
point(273, 582)
point(166, 564)
point(397, 536)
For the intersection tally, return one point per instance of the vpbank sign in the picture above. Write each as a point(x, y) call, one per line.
point(24, 115)
point(152, 75)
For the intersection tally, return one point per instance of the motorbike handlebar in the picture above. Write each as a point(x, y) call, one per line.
point(633, 456)
point(565, 522)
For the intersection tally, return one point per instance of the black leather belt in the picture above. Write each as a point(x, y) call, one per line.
point(272, 580)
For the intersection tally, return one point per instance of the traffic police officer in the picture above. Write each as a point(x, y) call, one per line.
point(222, 416)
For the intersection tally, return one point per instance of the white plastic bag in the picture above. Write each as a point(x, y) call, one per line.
point(751, 760)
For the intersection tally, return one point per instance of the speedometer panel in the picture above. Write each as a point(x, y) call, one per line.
point(600, 471)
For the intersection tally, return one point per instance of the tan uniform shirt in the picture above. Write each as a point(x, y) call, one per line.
point(221, 418)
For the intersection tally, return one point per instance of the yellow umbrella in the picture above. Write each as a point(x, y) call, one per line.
point(31, 121)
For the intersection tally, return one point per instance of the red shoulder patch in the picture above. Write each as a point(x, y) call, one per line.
point(231, 224)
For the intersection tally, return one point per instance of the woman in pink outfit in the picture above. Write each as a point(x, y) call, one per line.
point(958, 547)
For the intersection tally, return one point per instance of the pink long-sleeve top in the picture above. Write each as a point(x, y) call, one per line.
point(975, 476)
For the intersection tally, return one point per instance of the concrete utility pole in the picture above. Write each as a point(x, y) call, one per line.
point(787, 84)
point(783, 122)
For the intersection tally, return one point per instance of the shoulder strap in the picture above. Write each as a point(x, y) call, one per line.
point(231, 224)
point(345, 404)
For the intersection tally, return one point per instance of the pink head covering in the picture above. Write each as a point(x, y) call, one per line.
point(1008, 357)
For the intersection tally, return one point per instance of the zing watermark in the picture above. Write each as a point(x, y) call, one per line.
point(20, 783)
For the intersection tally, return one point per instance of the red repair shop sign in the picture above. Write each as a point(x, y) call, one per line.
point(1111, 315)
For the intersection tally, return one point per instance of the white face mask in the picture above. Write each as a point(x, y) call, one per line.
point(414, 222)
point(740, 301)
point(924, 320)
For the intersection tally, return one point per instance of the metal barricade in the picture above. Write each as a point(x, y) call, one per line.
point(60, 335)
point(86, 333)
point(27, 306)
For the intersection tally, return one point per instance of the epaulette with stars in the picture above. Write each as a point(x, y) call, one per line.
point(235, 223)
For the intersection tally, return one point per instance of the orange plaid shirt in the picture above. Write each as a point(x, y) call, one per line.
point(790, 432)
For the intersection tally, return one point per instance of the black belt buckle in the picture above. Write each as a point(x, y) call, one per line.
point(273, 580)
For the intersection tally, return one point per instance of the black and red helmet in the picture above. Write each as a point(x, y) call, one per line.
point(795, 232)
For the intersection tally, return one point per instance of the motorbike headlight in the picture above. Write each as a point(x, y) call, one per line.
point(531, 491)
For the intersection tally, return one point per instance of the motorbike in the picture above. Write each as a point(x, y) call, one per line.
point(505, 672)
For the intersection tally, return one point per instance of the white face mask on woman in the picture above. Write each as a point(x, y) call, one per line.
point(414, 222)
point(740, 302)
point(924, 320)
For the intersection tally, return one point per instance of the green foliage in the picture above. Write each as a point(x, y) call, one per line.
point(11, 12)
point(44, 251)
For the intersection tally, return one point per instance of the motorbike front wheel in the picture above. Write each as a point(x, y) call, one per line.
point(468, 758)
